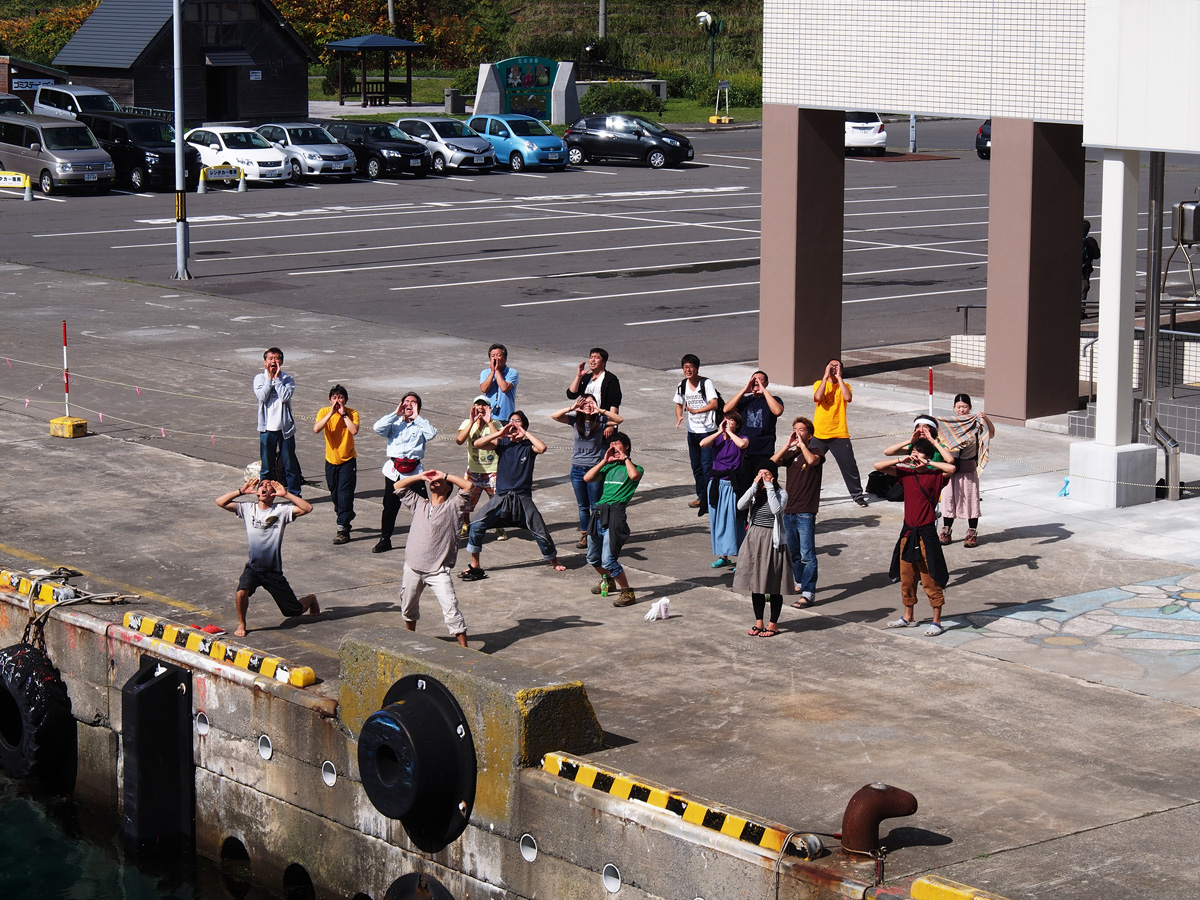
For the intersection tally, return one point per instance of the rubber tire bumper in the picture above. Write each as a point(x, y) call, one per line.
point(35, 715)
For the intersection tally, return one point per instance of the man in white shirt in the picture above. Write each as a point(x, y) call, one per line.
point(698, 397)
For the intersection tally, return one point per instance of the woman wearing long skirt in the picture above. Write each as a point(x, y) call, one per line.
point(764, 567)
point(969, 436)
point(728, 450)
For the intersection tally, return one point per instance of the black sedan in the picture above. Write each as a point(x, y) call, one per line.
point(983, 140)
point(381, 149)
point(142, 149)
point(625, 136)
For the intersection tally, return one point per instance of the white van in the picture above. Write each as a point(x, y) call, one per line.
point(65, 100)
point(54, 152)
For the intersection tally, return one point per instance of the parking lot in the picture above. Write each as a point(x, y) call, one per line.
point(643, 262)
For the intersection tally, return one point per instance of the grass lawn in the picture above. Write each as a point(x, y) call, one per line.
point(425, 90)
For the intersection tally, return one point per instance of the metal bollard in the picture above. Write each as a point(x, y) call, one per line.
point(202, 186)
point(241, 181)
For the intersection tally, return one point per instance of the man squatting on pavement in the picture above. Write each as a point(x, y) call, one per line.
point(407, 434)
point(513, 505)
point(432, 546)
point(276, 427)
point(918, 549)
point(608, 528)
point(339, 424)
point(265, 521)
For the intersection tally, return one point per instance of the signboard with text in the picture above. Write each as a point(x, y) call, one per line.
point(527, 81)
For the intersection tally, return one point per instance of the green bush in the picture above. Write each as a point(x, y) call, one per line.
point(617, 96)
point(745, 89)
point(466, 81)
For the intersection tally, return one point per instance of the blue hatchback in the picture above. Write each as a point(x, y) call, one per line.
point(521, 141)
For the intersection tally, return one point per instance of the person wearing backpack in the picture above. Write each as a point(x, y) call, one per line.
point(701, 400)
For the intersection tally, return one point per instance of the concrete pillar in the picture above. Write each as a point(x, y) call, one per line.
point(800, 292)
point(1111, 471)
point(1034, 239)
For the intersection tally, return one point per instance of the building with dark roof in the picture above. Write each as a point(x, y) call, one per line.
point(241, 60)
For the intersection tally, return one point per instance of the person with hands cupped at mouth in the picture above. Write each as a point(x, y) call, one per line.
point(725, 483)
point(407, 434)
point(608, 528)
point(764, 567)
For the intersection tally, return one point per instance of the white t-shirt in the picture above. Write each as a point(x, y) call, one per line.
point(264, 531)
point(692, 398)
point(592, 389)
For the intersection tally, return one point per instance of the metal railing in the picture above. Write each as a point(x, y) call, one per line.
point(965, 309)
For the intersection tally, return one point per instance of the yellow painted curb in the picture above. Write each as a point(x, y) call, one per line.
point(45, 591)
point(206, 645)
point(930, 887)
point(628, 787)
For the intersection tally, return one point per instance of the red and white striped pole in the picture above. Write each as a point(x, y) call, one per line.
point(66, 376)
point(931, 390)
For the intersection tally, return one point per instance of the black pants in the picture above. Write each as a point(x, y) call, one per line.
point(391, 505)
point(843, 452)
point(342, 479)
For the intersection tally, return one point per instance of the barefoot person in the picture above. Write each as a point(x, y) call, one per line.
point(432, 547)
point(265, 521)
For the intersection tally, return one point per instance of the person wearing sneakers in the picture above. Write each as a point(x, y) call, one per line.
point(918, 551)
point(432, 546)
point(971, 435)
point(608, 528)
point(588, 424)
point(804, 468)
point(339, 424)
point(702, 402)
point(481, 464)
point(832, 395)
point(517, 451)
point(407, 434)
point(265, 522)
point(725, 485)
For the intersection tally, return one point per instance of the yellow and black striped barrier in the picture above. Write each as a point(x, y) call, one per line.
point(207, 645)
point(626, 787)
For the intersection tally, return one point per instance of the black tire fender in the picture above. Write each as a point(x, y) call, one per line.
point(35, 715)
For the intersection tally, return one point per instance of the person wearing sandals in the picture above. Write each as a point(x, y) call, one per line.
point(969, 436)
point(729, 447)
point(764, 567)
point(805, 461)
point(608, 529)
point(481, 464)
point(917, 550)
point(588, 424)
point(517, 450)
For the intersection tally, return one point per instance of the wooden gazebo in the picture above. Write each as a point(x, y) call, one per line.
point(375, 92)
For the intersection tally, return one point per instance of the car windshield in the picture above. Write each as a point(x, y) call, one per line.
point(97, 103)
point(310, 136)
point(453, 130)
point(528, 128)
point(154, 134)
point(74, 137)
point(385, 132)
point(13, 105)
point(862, 118)
point(652, 127)
point(244, 140)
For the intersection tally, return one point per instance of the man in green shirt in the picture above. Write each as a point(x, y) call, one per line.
point(608, 529)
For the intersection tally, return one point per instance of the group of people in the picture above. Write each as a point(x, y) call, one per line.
point(760, 528)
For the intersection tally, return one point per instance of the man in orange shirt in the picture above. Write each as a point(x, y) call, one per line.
point(339, 424)
point(830, 429)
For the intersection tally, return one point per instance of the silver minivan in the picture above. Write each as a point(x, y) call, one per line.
point(55, 153)
point(65, 100)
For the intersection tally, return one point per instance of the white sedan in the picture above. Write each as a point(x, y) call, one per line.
point(228, 145)
point(865, 131)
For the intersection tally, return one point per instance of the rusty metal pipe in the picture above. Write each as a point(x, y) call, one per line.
point(869, 806)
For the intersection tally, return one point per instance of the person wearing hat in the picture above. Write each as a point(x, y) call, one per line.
point(481, 461)
point(923, 427)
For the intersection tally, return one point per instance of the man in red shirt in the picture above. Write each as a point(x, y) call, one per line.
point(918, 549)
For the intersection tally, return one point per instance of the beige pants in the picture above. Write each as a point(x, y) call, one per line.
point(442, 586)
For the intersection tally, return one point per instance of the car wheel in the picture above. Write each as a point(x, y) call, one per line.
point(374, 168)
point(984, 154)
point(516, 162)
point(46, 183)
point(297, 171)
point(137, 178)
point(576, 156)
point(656, 159)
point(439, 164)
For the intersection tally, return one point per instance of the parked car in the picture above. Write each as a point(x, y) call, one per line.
point(983, 140)
point(625, 136)
point(453, 144)
point(382, 149)
point(54, 152)
point(11, 103)
point(230, 145)
point(68, 100)
point(865, 131)
point(310, 150)
point(522, 141)
point(142, 149)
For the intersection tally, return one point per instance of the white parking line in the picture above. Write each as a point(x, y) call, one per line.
point(724, 166)
point(741, 312)
point(913, 296)
point(680, 290)
point(40, 197)
point(528, 175)
point(727, 156)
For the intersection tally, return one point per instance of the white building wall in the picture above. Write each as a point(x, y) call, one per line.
point(974, 58)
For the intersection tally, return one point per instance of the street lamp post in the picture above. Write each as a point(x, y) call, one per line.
point(713, 26)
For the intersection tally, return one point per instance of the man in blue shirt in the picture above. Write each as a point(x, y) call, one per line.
point(406, 433)
point(498, 382)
